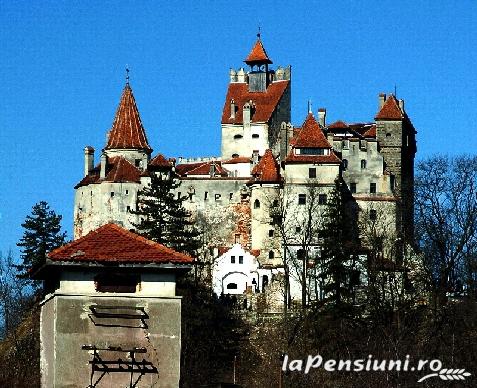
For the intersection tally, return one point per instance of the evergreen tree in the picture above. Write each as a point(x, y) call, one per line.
point(338, 254)
point(42, 234)
point(163, 218)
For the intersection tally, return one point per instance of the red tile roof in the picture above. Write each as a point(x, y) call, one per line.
point(258, 54)
point(267, 170)
point(127, 131)
point(371, 132)
point(338, 125)
point(160, 161)
point(112, 243)
point(310, 135)
point(238, 159)
point(265, 102)
point(118, 170)
point(390, 110)
point(201, 168)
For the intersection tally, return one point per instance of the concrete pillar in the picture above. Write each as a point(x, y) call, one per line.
point(88, 160)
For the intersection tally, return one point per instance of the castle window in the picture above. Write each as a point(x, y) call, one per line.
point(128, 208)
point(372, 215)
point(271, 255)
point(235, 155)
point(179, 196)
point(127, 192)
point(372, 188)
point(232, 286)
point(345, 164)
point(240, 259)
point(217, 197)
point(255, 136)
point(392, 182)
point(363, 164)
point(206, 195)
point(388, 134)
point(116, 282)
point(270, 233)
point(231, 195)
point(352, 187)
point(322, 199)
point(298, 229)
point(275, 203)
point(256, 204)
point(80, 209)
point(237, 239)
point(232, 259)
point(345, 144)
point(301, 199)
point(236, 137)
point(312, 172)
point(312, 151)
point(112, 194)
point(137, 162)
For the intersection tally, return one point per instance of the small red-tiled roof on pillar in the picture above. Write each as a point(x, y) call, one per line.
point(258, 55)
point(390, 110)
point(111, 243)
point(127, 131)
point(267, 170)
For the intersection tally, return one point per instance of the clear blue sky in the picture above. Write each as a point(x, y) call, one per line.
point(62, 72)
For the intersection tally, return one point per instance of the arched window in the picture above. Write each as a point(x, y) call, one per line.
point(345, 164)
point(256, 204)
point(363, 163)
point(238, 137)
point(232, 286)
point(271, 255)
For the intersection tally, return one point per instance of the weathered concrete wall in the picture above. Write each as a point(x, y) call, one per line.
point(242, 140)
point(67, 323)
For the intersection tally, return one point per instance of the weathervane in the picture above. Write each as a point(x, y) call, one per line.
point(259, 32)
point(127, 75)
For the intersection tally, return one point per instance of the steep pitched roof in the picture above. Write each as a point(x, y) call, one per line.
point(127, 131)
point(267, 170)
point(310, 135)
point(118, 169)
point(112, 243)
point(160, 161)
point(390, 110)
point(265, 102)
point(258, 54)
point(201, 168)
point(338, 125)
point(371, 132)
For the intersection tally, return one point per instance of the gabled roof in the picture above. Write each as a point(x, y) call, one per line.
point(112, 243)
point(310, 135)
point(265, 102)
point(127, 131)
point(202, 168)
point(160, 161)
point(267, 170)
point(258, 54)
point(338, 125)
point(371, 132)
point(390, 110)
point(118, 170)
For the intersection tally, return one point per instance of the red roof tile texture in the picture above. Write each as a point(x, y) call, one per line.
point(371, 132)
point(338, 125)
point(265, 102)
point(310, 135)
point(258, 54)
point(390, 110)
point(202, 168)
point(160, 161)
point(127, 131)
point(113, 244)
point(267, 170)
point(238, 159)
point(118, 170)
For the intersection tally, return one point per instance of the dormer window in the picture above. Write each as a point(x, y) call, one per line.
point(312, 151)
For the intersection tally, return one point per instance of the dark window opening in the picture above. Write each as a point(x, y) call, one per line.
point(137, 162)
point(127, 192)
point(112, 194)
point(256, 204)
point(206, 194)
point(232, 259)
point(235, 155)
point(298, 229)
point(363, 164)
point(238, 137)
point(232, 286)
point(393, 182)
point(312, 172)
point(231, 195)
point(128, 208)
point(217, 197)
point(301, 199)
point(237, 239)
point(352, 187)
point(271, 255)
point(345, 164)
point(388, 134)
point(240, 259)
point(270, 233)
point(275, 203)
point(373, 215)
point(322, 199)
point(255, 136)
point(312, 151)
point(372, 188)
point(116, 282)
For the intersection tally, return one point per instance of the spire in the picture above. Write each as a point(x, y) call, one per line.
point(127, 131)
point(258, 55)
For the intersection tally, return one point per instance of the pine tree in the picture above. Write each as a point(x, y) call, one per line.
point(41, 235)
point(163, 218)
point(338, 253)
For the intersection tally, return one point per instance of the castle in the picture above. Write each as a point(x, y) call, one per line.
point(268, 168)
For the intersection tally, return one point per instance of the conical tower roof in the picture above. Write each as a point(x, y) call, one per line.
point(127, 131)
point(258, 55)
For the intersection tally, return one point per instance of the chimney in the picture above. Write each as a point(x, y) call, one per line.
point(212, 170)
point(382, 100)
point(233, 75)
point(247, 113)
point(88, 160)
point(322, 117)
point(401, 105)
point(104, 161)
point(232, 109)
point(241, 75)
